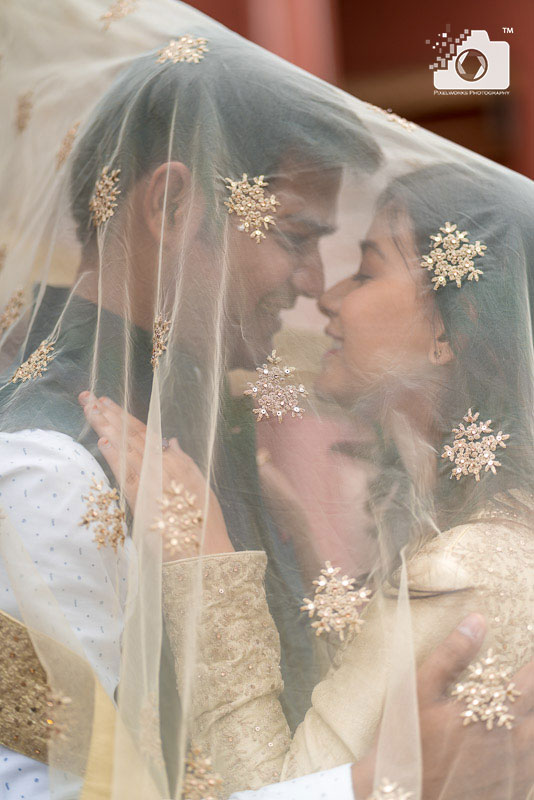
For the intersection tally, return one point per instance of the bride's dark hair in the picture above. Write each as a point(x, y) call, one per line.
point(488, 325)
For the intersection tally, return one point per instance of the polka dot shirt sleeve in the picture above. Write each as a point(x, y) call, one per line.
point(44, 476)
point(332, 784)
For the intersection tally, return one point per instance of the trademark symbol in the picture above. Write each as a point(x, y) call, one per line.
point(507, 30)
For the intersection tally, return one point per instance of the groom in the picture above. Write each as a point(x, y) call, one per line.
point(264, 280)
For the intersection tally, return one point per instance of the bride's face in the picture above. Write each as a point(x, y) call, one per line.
point(383, 318)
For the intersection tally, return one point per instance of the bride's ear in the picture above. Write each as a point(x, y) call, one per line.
point(440, 352)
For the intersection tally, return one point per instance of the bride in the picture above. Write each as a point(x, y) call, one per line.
point(432, 335)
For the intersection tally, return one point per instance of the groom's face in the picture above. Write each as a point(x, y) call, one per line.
point(267, 278)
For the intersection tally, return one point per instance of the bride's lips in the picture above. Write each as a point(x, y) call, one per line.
point(338, 346)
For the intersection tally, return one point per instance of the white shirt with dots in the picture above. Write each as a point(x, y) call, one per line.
point(44, 476)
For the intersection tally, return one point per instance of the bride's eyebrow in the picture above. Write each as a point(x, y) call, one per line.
point(369, 244)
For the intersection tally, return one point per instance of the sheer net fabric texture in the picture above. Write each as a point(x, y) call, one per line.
point(177, 204)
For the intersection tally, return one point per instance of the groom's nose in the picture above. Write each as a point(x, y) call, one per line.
point(308, 277)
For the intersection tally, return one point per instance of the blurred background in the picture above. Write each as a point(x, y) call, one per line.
point(378, 52)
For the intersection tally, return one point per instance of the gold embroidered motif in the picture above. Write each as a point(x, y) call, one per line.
point(391, 117)
point(272, 394)
point(185, 49)
point(179, 522)
point(105, 513)
point(452, 257)
point(116, 11)
point(200, 781)
point(248, 201)
point(470, 452)
point(337, 603)
point(159, 339)
point(12, 310)
point(36, 364)
point(103, 202)
point(24, 110)
point(66, 145)
point(487, 692)
point(390, 791)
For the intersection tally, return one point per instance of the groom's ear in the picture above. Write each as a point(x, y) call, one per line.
point(169, 199)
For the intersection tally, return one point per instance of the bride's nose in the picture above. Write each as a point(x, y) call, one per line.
point(330, 301)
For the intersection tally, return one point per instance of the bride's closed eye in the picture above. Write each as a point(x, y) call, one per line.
point(361, 277)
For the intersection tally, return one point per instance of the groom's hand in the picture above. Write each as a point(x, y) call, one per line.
point(465, 762)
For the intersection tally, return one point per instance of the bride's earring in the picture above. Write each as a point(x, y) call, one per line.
point(440, 353)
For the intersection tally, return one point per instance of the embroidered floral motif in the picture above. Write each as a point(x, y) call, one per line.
point(272, 394)
point(390, 791)
point(36, 364)
point(159, 339)
point(487, 692)
point(200, 781)
point(391, 117)
point(186, 49)
point(24, 110)
point(179, 522)
point(452, 257)
point(249, 202)
point(470, 452)
point(12, 310)
point(104, 200)
point(116, 11)
point(66, 145)
point(106, 515)
point(337, 603)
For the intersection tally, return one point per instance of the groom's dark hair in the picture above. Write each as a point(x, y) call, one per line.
point(241, 109)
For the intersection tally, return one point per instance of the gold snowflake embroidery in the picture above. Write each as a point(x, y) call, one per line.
point(116, 11)
point(186, 49)
point(66, 145)
point(24, 110)
point(36, 364)
point(272, 394)
point(452, 257)
point(250, 203)
point(337, 604)
point(391, 117)
point(487, 692)
point(159, 339)
point(12, 310)
point(104, 200)
point(390, 791)
point(472, 452)
point(179, 522)
point(106, 515)
point(200, 781)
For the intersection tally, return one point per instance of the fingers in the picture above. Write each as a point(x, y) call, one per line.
point(450, 658)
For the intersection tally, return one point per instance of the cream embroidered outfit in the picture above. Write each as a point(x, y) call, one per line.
point(237, 716)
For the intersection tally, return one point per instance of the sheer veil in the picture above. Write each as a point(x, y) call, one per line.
point(177, 204)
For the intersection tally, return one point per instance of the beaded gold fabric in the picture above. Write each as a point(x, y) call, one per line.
point(104, 200)
point(238, 681)
point(159, 339)
point(251, 205)
point(36, 363)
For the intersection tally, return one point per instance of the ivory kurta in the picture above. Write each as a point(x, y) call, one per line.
point(236, 715)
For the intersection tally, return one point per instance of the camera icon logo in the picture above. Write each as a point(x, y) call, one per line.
point(474, 62)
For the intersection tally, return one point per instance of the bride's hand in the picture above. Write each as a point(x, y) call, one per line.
point(108, 420)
